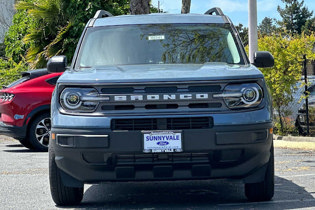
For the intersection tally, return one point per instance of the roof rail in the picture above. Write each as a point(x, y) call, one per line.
point(215, 10)
point(102, 14)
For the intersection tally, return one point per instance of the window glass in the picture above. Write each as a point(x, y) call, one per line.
point(158, 44)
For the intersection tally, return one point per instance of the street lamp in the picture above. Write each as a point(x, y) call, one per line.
point(306, 92)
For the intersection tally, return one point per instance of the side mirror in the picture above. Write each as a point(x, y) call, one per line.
point(263, 59)
point(57, 64)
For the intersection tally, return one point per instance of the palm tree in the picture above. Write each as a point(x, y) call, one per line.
point(49, 26)
point(139, 7)
point(56, 25)
point(186, 6)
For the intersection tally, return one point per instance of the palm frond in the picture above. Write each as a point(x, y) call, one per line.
point(50, 49)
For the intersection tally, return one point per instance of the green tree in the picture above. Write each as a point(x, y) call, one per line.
point(44, 28)
point(243, 32)
point(15, 48)
point(267, 27)
point(309, 26)
point(294, 16)
point(55, 29)
point(281, 78)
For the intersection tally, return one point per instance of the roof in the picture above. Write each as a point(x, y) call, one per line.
point(159, 18)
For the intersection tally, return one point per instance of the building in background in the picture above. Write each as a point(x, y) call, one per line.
point(6, 15)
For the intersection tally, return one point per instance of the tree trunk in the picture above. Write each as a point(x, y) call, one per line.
point(280, 120)
point(186, 6)
point(138, 7)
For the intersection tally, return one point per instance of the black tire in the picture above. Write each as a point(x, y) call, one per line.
point(25, 142)
point(262, 191)
point(61, 194)
point(39, 137)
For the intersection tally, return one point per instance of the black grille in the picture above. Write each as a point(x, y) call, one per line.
point(134, 124)
point(162, 124)
point(189, 123)
point(178, 158)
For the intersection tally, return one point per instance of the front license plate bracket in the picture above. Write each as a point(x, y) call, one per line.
point(162, 141)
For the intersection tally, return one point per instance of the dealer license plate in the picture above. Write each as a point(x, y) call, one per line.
point(162, 141)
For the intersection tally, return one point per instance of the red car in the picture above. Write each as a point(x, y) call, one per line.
point(25, 108)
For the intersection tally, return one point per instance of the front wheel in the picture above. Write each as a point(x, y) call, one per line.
point(61, 194)
point(263, 191)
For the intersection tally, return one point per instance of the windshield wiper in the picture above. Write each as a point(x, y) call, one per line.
point(85, 67)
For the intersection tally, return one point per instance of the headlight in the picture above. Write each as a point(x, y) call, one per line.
point(241, 95)
point(79, 99)
point(6, 96)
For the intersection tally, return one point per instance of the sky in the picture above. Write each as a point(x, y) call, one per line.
point(237, 10)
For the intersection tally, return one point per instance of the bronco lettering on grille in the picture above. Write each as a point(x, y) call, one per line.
point(165, 97)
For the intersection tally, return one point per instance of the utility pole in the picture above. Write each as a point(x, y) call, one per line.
point(159, 6)
point(306, 95)
point(252, 29)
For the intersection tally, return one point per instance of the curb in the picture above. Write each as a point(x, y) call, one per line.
point(294, 138)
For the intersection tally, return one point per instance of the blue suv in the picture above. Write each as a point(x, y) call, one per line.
point(160, 97)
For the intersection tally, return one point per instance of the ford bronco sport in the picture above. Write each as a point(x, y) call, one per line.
point(160, 97)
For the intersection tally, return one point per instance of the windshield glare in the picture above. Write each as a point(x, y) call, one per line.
point(158, 44)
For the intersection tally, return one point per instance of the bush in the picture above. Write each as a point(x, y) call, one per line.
point(10, 71)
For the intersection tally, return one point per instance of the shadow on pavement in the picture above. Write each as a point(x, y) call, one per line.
point(14, 145)
point(191, 194)
point(25, 150)
point(22, 150)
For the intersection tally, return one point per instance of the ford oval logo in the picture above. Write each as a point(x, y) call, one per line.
point(162, 143)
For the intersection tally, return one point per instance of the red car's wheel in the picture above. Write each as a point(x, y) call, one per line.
point(39, 132)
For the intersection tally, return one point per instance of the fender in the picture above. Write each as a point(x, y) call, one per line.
point(35, 111)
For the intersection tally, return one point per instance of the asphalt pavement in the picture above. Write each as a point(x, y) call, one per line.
point(24, 184)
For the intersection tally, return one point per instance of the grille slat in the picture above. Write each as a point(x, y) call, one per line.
point(156, 124)
point(179, 158)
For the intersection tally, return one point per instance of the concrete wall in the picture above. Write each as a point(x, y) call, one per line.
point(6, 15)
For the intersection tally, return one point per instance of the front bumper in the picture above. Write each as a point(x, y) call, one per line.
point(12, 131)
point(99, 155)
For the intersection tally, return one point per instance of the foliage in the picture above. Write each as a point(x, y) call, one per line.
point(15, 46)
point(55, 29)
point(10, 70)
point(287, 126)
point(2, 50)
point(267, 27)
point(288, 54)
point(243, 32)
point(309, 26)
point(294, 16)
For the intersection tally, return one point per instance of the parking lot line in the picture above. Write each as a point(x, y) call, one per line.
point(267, 202)
point(298, 175)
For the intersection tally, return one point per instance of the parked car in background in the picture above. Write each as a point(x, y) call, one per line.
point(301, 116)
point(25, 108)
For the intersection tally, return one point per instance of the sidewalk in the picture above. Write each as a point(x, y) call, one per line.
point(294, 142)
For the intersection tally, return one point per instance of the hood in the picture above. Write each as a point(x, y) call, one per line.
point(160, 73)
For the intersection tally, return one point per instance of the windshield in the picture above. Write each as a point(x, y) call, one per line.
point(158, 44)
